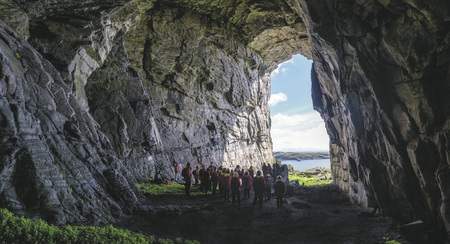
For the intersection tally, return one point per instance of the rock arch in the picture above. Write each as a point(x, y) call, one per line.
point(135, 85)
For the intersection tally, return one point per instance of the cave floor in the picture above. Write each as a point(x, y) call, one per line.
point(313, 215)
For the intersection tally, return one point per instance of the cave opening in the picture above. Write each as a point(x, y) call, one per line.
point(296, 126)
point(193, 89)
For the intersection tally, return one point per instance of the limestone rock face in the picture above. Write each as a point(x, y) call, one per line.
point(117, 89)
point(55, 163)
point(98, 94)
point(381, 82)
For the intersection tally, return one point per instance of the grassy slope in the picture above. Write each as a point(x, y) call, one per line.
point(15, 229)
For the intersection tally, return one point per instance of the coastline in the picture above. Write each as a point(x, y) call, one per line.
point(299, 156)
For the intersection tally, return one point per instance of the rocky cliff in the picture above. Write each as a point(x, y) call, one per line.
point(381, 80)
point(129, 88)
point(97, 94)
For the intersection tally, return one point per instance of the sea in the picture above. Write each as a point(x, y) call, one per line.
point(304, 165)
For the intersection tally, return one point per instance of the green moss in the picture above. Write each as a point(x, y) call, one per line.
point(17, 55)
point(15, 229)
point(387, 240)
point(150, 189)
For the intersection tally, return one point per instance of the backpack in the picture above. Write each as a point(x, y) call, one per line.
point(234, 183)
point(184, 173)
point(245, 181)
point(279, 187)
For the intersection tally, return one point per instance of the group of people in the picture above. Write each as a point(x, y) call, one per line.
point(230, 183)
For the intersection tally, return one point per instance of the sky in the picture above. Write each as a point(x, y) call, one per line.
point(296, 126)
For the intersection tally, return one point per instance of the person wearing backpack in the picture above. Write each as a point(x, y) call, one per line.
point(186, 174)
point(226, 185)
point(259, 186)
point(280, 188)
point(236, 187)
point(214, 180)
point(268, 181)
point(247, 184)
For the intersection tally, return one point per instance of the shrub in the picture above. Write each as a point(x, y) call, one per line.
point(309, 179)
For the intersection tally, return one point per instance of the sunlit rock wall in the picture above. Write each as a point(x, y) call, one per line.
point(381, 82)
point(119, 89)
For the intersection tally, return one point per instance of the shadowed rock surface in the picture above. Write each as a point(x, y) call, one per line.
point(110, 91)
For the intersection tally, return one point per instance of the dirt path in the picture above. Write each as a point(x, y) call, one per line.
point(313, 215)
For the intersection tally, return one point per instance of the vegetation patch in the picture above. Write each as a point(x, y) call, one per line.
point(312, 177)
point(149, 188)
point(15, 229)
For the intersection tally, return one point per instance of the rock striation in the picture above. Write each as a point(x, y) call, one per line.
point(144, 84)
point(98, 94)
point(55, 162)
point(380, 80)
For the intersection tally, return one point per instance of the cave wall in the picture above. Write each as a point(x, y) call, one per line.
point(144, 84)
point(135, 85)
point(381, 81)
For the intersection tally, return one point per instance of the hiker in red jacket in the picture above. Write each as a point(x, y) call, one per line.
point(269, 169)
point(280, 188)
point(259, 186)
point(268, 181)
point(247, 181)
point(251, 172)
point(236, 187)
point(176, 167)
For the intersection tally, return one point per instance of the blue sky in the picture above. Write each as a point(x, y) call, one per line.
point(296, 126)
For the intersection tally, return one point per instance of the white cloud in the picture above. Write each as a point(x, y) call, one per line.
point(299, 132)
point(276, 71)
point(280, 69)
point(277, 98)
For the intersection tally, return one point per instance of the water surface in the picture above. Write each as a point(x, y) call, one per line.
point(308, 164)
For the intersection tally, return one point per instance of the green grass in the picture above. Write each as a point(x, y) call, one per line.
point(15, 229)
point(308, 179)
point(387, 240)
point(173, 189)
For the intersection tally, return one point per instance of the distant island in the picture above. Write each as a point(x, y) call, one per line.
point(282, 156)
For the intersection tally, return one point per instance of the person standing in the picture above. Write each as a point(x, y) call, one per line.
point(280, 188)
point(269, 169)
point(221, 173)
point(196, 174)
point(186, 173)
point(247, 184)
point(251, 172)
point(200, 176)
point(258, 187)
point(268, 181)
point(205, 183)
point(236, 188)
point(176, 167)
point(264, 169)
point(214, 180)
point(227, 185)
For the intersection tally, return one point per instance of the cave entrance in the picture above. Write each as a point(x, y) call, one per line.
point(296, 126)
